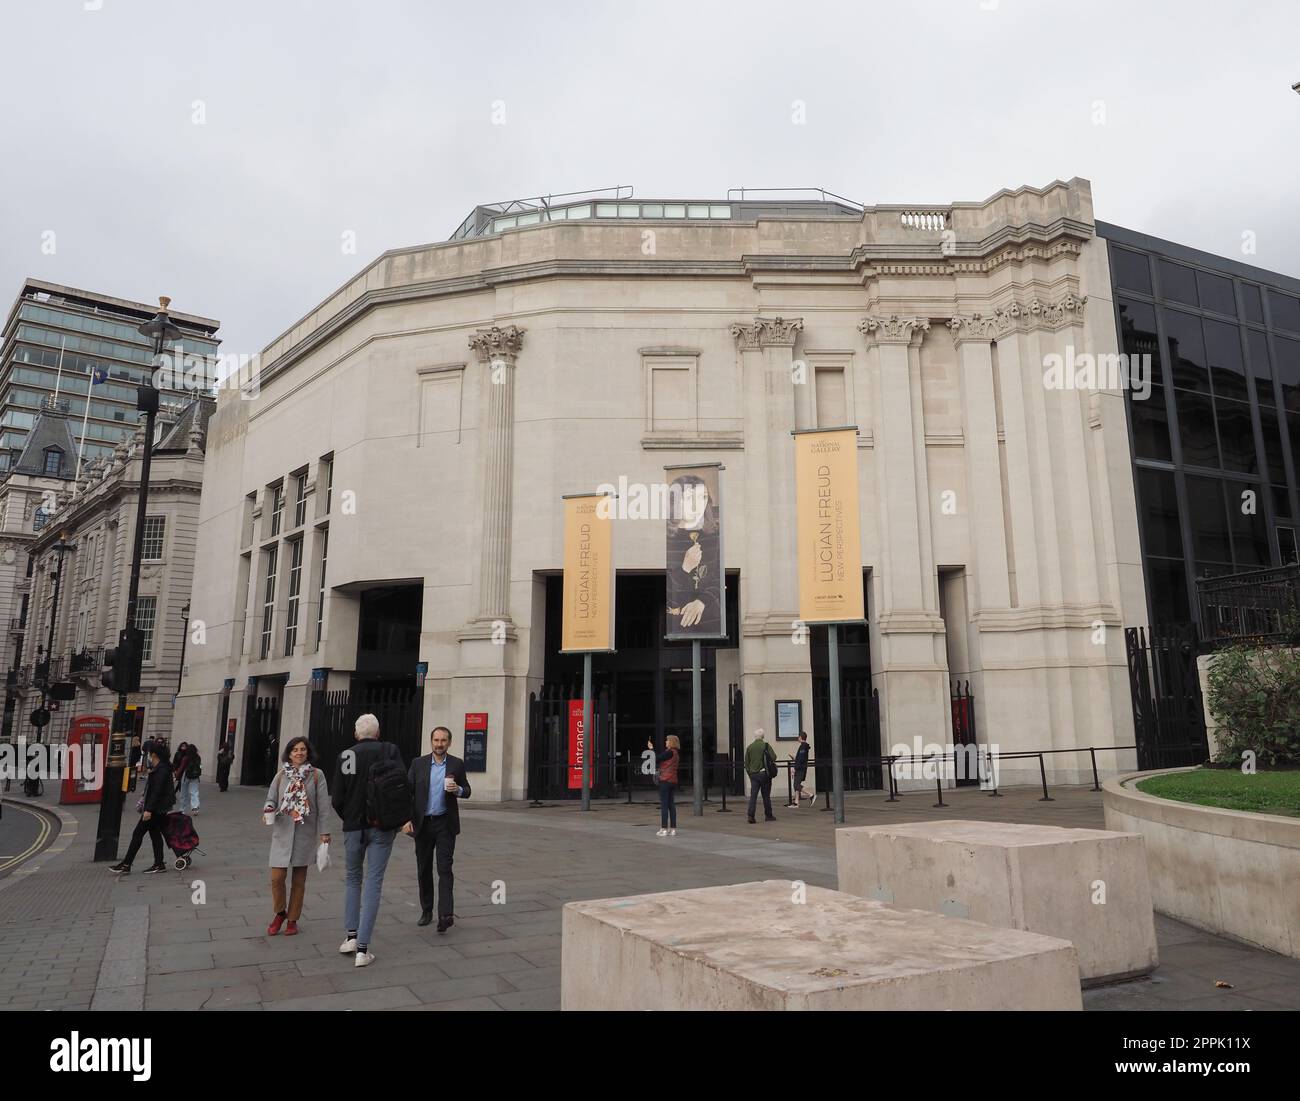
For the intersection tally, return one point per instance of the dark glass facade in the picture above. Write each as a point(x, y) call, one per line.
point(1216, 441)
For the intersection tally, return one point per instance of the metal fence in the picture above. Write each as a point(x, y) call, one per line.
point(1255, 606)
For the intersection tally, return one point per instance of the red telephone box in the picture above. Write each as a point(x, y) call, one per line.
point(84, 782)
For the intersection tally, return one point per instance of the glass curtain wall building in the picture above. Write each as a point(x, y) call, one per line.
point(58, 341)
point(1216, 438)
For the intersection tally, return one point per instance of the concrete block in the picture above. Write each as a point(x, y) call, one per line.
point(1043, 879)
point(753, 946)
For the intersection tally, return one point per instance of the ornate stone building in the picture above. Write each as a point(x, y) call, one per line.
point(95, 518)
point(382, 521)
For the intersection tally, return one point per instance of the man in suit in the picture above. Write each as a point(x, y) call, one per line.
point(439, 782)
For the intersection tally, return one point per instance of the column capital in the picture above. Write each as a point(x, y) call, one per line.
point(893, 329)
point(767, 332)
point(977, 328)
point(497, 342)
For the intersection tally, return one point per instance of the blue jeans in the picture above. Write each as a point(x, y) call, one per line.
point(188, 799)
point(667, 805)
point(361, 904)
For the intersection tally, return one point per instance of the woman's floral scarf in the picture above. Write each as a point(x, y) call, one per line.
point(293, 791)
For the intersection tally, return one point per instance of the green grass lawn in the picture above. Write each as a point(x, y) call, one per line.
point(1263, 793)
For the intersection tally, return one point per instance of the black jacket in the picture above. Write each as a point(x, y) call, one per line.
point(348, 791)
point(801, 758)
point(418, 774)
point(159, 795)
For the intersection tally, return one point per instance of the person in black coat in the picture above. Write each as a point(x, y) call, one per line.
point(159, 795)
point(799, 771)
point(438, 780)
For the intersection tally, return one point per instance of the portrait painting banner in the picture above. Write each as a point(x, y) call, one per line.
point(827, 531)
point(697, 589)
point(588, 622)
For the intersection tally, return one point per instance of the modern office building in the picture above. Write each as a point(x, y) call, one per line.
point(1216, 438)
point(380, 526)
point(79, 346)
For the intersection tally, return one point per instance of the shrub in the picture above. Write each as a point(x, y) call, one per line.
point(1254, 694)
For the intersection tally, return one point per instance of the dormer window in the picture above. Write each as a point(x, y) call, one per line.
point(53, 461)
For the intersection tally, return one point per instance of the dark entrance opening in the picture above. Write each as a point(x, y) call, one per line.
point(647, 682)
point(1168, 713)
point(261, 755)
point(384, 682)
point(859, 706)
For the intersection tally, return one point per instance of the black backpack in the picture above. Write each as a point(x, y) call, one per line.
point(389, 798)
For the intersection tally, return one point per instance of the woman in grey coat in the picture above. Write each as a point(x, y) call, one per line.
point(298, 811)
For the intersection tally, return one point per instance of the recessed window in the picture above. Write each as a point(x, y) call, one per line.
point(719, 212)
point(268, 601)
point(53, 461)
point(155, 529)
point(146, 608)
point(652, 210)
point(299, 499)
point(697, 210)
point(607, 210)
point(295, 586)
point(579, 212)
point(277, 507)
point(674, 210)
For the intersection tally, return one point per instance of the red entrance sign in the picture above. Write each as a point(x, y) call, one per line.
point(87, 760)
point(476, 720)
point(577, 747)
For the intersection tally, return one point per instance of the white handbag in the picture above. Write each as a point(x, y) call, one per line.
point(323, 856)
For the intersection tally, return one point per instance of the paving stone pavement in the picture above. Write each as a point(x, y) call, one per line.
point(197, 939)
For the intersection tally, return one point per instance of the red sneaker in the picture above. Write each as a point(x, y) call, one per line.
point(291, 930)
point(274, 927)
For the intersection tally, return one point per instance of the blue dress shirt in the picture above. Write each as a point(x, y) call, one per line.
point(437, 796)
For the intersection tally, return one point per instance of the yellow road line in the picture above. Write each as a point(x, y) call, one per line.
point(36, 845)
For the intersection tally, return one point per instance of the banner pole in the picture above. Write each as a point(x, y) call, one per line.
point(586, 731)
point(837, 746)
point(697, 726)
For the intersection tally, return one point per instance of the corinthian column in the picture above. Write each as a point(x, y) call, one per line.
point(497, 349)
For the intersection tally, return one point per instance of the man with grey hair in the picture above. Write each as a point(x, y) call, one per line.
point(367, 842)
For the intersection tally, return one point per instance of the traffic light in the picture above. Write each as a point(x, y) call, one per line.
point(123, 663)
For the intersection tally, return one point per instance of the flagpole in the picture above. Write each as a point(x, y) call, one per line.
point(81, 446)
point(63, 340)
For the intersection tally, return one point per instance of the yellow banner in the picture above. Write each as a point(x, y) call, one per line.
point(588, 576)
point(827, 530)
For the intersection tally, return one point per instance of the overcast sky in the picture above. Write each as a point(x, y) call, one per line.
point(218, 152)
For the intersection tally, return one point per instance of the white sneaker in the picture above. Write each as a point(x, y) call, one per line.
point(672, 833)
point(661, 833)
point(365, 959)
point(348, 947)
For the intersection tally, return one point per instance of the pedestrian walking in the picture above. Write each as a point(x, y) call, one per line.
point(760, 763)
point(153, 806)
point(225, 758)
point(372, 796)
point(439, 783)
point(188, 771)
point(668, 759)
point(799, 768)
point(299, 814)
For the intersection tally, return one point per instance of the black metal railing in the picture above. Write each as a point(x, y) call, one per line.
point(86, 661)
point(1255, 606)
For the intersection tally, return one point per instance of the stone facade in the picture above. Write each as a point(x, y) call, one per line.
point(452, 393)
point(97, 515)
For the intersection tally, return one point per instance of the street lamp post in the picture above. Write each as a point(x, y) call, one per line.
point(160, 329)
point(60, 549)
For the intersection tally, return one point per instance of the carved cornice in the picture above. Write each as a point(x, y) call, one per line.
point(767, 332)
point(1019, 317)
point(893, 329)
point(497, 343)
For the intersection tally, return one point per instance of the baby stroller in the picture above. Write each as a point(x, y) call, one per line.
point(182, 838)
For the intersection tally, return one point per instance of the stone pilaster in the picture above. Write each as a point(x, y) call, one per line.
point(497, 350)
point(984, 504)
point(910, 667)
